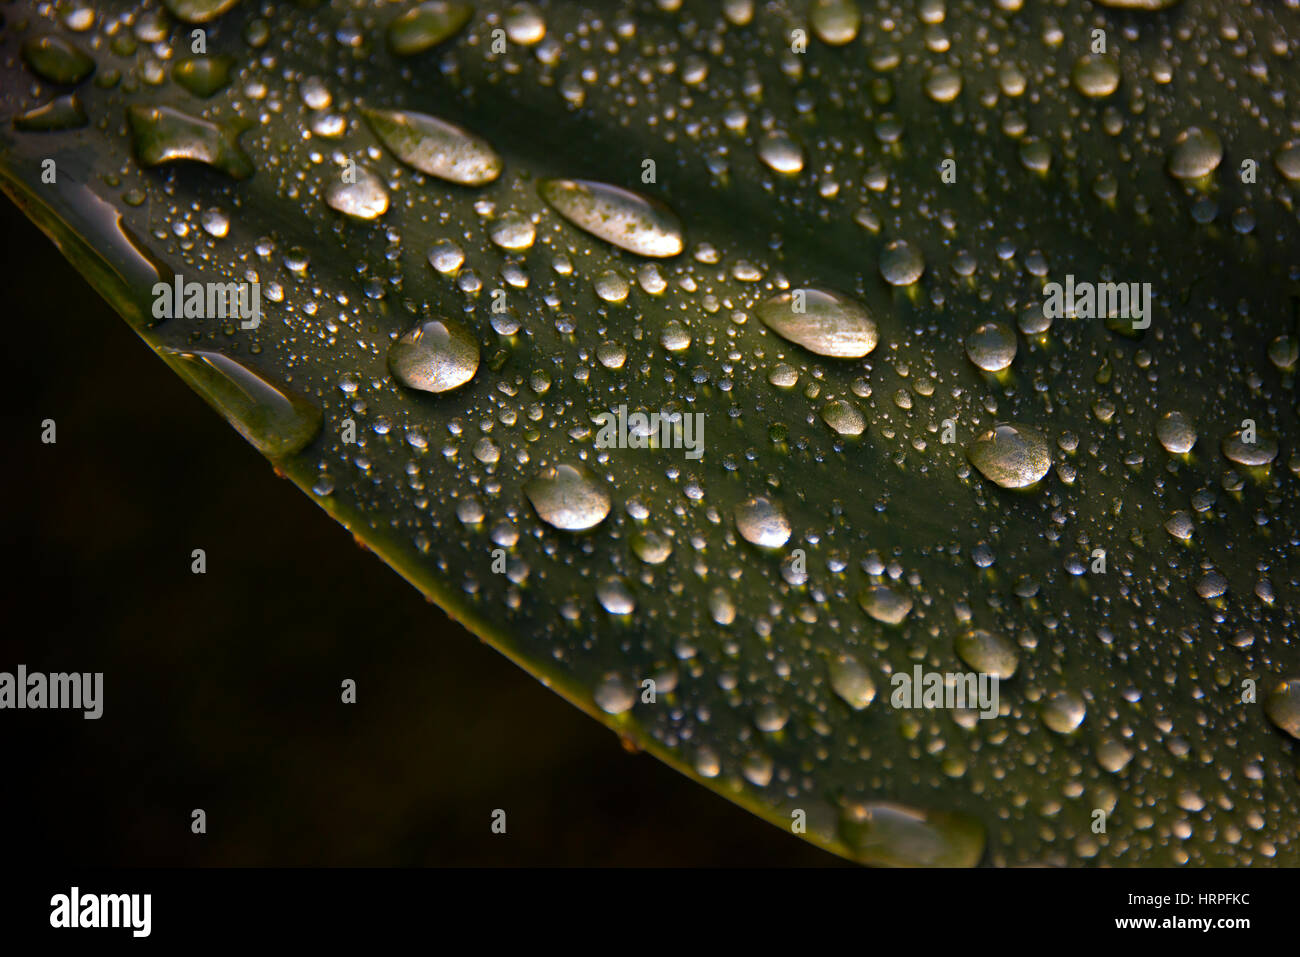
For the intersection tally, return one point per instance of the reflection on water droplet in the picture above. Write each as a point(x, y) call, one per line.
point(426, 25)
point(884, 604)
point(1262, 451)
point(363, 199)
point(1063, 712)
point(991, 346)
point(55, 59)
point(1176, 433)
point(830, 324)
point(276, 421)
point(851, 682)
point(615, 694)
point(1282, 705)
point(1011, 455)
point(435, 147)
point(901, 263)
point(762, 523)
point(893, 835)
point(1196, 153)
point(619, 216)
point(988, 653)
point(435, 356)
point(161, 134)
point(568, 497)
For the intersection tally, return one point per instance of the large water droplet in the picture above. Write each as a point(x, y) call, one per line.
point(835, 22)
point(1063, 712)
point(1096, 76)
point(1011, 455)
point(991, 346)
point(901, 263)
point(435, 356)
point(762, 523)
point(1287, 160)
point(844, 417)
point(1176, 433)
point(364, 198)
point(53, 58)
point(780, 153)
point(1196, 153)
point(275, 420)
point(198, 11)
point(988, 653)
point(851, 682)
point(893, 835)
point(615, 694)
point(61, 113)
point(568, 497)
point(1262, 451)
point(435, 147)
point(204, 76)
point(822, 321)
point(426, 25)
point(162, 134)
point(1282, 705)
point(619, 216)
point(885, 605)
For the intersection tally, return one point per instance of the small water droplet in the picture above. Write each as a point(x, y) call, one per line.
point(844, 417)
point(780, 153)
point(835, 22)
point(615, 597)
point(1282, 705)
point(1096, 76)
point(894, 835)
point(615, 694)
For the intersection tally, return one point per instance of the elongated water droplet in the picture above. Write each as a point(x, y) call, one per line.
point(1282, 705)
point(53, 58)
point(435, 147)
point(198, 11)
point(61, 113)
point(435, 356)
point(884, 604)
point(829, 324)
point(1011, 455)
point(162, 134)
point(893, 835)
point(991, 346)
point(1176, 433)
point(203, 76)
point(568, 497)
point(762, 523)
point(1196, 153)
point(619, 216)
point(851, 682)
point(365, 198)
point(988, 653)
point(275, 420)
point(844, 417)
point(1261, 451)
point(426, 25)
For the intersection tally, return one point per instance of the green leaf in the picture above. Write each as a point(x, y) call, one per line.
point(476, 232)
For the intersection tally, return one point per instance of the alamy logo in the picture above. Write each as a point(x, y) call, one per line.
point(103, 910)
point(209, 300)
point(643, 430)
point(1100, 300)
point(936, 689)
point(36, 691)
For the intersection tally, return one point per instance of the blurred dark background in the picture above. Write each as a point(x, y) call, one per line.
point(222, 690)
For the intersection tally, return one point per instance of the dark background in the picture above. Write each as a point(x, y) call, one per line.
point(222, 691)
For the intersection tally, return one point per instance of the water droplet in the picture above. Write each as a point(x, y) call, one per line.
point(513, 231)
point(651, 547)
point(771, 718)
point(435, 356)
point(614, 694)
point(830, 324)
point(1260, 452)
point(619, 216)
point(991, 346)
point(884, 604)
point(164, 135)
point(844, 417)
point(611, 287)
point(901, 263)
point(1180, 525)
point(435, 147)
point(762, 523)
point(198, 11)
point(1063, 712)
point(851, 682)
point(1011, 455)
point(363, 199)
point(1096, 76)
point(835, 22)
point(988, 653)
point(893, 835)
point(1287, 160)
point(204, 76)
point(276, 421)
point(446, 256)
point(615, 597)
point(568, 497)
point(780, 153)
point(1176, 433)
point(427, 25)
point(55, 59)
point(1113, 756)
point(943, 84)
point(1282, 705)
point(1196, 153)
point(61, 113)
point(524, 24)
point(1211, 586)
